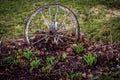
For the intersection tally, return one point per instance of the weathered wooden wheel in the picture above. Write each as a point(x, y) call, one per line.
point(51, 21)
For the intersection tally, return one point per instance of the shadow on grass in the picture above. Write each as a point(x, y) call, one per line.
point(111, 3)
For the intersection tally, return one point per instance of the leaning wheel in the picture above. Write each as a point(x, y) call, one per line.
point(51, 21)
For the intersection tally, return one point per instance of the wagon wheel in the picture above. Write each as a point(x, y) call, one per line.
point(51, 21)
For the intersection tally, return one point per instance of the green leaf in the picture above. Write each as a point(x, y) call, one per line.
point(31, 69)
point(79, 49)
point(75, 76)
point(10, 60)
point(28, 54)
point(64, 56)
point(34, 64)
point(46, 69)
point(50, 60)
point(90, 59)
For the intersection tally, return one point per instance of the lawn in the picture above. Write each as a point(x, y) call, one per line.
point(98, 19)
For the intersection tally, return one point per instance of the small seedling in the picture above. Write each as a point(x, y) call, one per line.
point(46, 69)
point(90, 59)
point(79, 49)
point(51, 60)
point(34, 64)
point(28, 54)
point(10, 60)
point(19, 51)
point(64, 56)
point(75, 76)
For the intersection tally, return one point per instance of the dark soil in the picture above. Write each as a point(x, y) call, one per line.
point(107, 63)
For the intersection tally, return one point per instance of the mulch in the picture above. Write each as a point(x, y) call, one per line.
point(108, 60)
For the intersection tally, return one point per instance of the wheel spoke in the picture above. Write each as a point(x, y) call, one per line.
point(47, 39)
point(55, 20)
point(61, 40)
point(65, 25)
point(32, 36)
point(56, 38)
point(40, 40)
point(56, 15)
point(45, 20)
point(62, 25)
point(50, 17)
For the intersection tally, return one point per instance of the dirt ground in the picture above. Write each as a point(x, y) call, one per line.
point(108, 61)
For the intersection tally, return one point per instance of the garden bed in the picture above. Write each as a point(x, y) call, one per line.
point(59, 62)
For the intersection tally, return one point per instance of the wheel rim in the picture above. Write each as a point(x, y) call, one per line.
point(56, 18)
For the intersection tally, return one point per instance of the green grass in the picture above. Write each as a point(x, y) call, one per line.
point(91, 15)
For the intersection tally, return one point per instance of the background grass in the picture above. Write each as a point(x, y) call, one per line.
point(98, 19)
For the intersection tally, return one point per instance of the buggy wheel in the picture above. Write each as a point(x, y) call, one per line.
point(51, 21)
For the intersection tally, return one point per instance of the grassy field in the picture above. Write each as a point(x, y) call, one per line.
point(98, 19)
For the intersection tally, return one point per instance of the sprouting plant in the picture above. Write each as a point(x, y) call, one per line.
point(10, 60)
point(75, 76)
point(79, 49)
point(90, 59)
point(19, 51)
point(34, 64)
point(28, 54)
point(111, 62)
point(46, 69)
point(64, 56)
point(50, 60)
